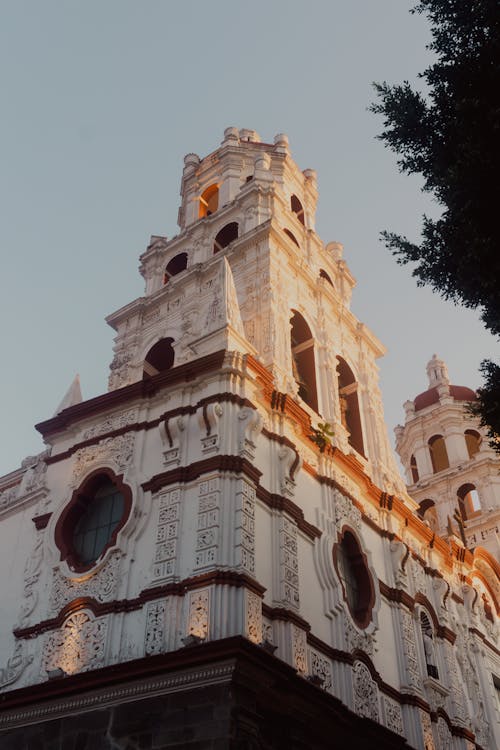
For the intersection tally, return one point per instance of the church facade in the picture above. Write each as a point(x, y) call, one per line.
point(220, 552)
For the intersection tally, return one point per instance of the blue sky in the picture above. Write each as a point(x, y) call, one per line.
point(101, 99)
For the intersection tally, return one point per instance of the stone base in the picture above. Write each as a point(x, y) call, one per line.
point(227, 694)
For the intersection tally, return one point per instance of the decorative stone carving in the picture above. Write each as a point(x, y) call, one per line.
point(167, 534)
point(365, 692)
point(359, 639)
point(111, 424)
point(100, 585)
point(288, 463)
point(78, 646)
point(119, 367)
point(118, 450)
point(393, 715)
point(8, 497)
point(419, 577)
point(15, 666)
point(299, 649)
point(346, 511)
point(253, 617)
point(245, 526)
point(35, 473)
point(208, 419)
point(289, 566)
point(428, 737)
point(154, 641)
point(207, 537)
point(444, 736)
point(171, 433)
point(250, 424)
point(410, 650)
point(198, 618)
point(322, 668)
point(31, 576)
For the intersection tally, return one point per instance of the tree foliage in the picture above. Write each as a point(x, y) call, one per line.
point(450, 134)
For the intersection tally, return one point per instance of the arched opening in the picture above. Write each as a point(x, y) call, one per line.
point(292, 236)
point(304, 369)
point(297, 208)
point(469, 503)
point(428, 643)
point(209, 201)
point(473, 442)
point(439, 454)
point(427, 512)
point(177, 264)
point(414, 469)
point(349, 405)
point(357, 584)
point(159, 358)
point(323, 275)
point(227, 234)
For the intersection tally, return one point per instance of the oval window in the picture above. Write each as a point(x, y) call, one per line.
point(95, 527)
point(355, 578)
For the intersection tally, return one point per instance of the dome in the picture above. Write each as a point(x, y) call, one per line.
point(431, 396)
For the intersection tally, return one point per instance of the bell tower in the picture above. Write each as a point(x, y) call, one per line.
point(248, 273)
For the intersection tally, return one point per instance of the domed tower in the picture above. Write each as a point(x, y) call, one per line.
point(450, 469)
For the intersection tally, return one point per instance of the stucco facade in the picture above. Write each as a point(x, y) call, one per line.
point(264, 536)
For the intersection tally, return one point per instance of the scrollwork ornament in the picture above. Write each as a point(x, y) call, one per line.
point(365, 692)
point(15, 666)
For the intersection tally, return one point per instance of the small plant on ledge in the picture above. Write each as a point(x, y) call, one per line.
point(322, 435)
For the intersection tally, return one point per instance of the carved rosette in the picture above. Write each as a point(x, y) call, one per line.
point(289, 565)
point(253, 617)
point(207, 536)
point(154, 641)
point(199, 612)
point(365, 692)
point(299, 649)
point(245, 526)
point(393, 717)
point(78, 646)
point(101, 585)
point(167, 534)
point(322, 667)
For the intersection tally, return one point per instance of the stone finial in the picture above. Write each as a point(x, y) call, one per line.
point(72, 396)
point(231, 134)
point(437, 372)
point(249, 135)
point(262, 162)
point(409, 408)
point(335, 248)
point(191, 161)
point(281, 142)
point(311, 174)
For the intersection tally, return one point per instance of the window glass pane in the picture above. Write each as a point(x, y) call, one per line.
point(94, 529)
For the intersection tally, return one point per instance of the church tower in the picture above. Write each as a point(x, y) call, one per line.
point(219, 552)
point(451, 471)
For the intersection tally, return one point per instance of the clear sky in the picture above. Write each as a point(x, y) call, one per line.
point(101, 99)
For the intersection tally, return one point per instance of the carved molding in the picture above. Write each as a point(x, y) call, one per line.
point(78, 646)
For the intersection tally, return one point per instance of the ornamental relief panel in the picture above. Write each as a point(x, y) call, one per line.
point(207, 537)
point(154, 641)
point(15, 666)
point(393, 715)
point(199, 611)
point(115, 450)
point(111, 424)
point(346, 511)
point(322, 667)
point(253, 617)
point(365, 692)
point(299, 649)
point(167, 534)
point(78, 646)
point(100, 585)
point(245, 526)
point(359, 639)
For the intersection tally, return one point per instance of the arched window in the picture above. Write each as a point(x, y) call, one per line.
point(357, 584)
point(177, 264)
point(349, 405)
point(469, 503)
point(414, 469)
point(427, 512)
point(323, 275)
point(92, 519)
point(472, 441)
point(428, 643)
point(304, 369)
point(439, 454)
point(159, 358)
point(297, 208)
point(292, 236)
point(227, 234)
point(209, 201)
